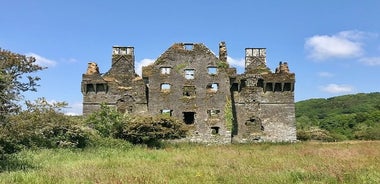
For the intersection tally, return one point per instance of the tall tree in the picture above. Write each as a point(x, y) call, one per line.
point(15, 78)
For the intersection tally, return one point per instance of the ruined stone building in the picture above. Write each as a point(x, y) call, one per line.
point(192, 84)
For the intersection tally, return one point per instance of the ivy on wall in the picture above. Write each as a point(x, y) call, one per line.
point(228, 114)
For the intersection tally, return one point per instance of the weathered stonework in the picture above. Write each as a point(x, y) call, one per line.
point(190, 83)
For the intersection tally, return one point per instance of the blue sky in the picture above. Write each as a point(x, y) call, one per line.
point(332, 46)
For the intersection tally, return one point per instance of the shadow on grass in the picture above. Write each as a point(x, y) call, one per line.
point(13, 162)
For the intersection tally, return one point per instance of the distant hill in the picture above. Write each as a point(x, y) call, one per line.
point(339, 118)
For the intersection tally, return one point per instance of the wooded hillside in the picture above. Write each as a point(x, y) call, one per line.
point(339, 118)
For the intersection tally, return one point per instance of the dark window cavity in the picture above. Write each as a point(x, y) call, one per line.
point(189, 117)
point(189, 91)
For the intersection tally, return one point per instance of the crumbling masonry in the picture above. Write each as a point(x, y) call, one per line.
point(192, 84)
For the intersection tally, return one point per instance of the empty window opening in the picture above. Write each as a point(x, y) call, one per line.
point(287, 87)
point(235, 87)
point(212, 87)
point(255, 52)
point(215, 130)
point(277, 87)
point(130, 50)
point(189, 73)
point(212, 70)
point(165, 87)
point(189, 91)
point(90, 88)
point(213, 113)
point(165, 70)
point(189, 46)
point(120, 51)
point(166, 112)
point(100, 87)
point(243, 83)
point(146, 80)
point(188, 117)
point(269, 87)
point(260, 83)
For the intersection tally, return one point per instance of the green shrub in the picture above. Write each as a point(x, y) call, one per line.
point(314, 133)
point(107, 121)
point(43, 126)
point(150, 130)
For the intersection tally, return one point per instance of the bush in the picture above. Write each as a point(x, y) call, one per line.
point(314, 133)
point(107, 121)
point(43, 126)
point(150, 130)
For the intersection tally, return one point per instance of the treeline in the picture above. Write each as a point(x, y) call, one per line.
point(339, 118)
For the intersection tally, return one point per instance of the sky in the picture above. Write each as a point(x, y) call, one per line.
point(333, 47)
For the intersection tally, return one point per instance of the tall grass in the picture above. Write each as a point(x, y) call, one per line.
point(348, 162)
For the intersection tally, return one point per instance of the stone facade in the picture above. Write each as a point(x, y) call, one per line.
point(192, 84)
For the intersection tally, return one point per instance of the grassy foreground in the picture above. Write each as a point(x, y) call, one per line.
point(308, 162)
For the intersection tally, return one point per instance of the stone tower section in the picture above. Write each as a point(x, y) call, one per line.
point(222, 52)
point(255, 60)
point(120, 87)
point(263, 101)
point(123, 64)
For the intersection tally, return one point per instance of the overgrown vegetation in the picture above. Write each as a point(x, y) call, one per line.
point(228, 114)
point(41, 125)
point(149, 130)
point(106, 121)
point(179, 67)
point(222, 64)
point(107, 153)
point(339, 118)
point(307, 162)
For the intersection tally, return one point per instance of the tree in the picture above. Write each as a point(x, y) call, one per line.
point(15, 78)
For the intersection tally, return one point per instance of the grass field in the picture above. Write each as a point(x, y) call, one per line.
point(307, 162)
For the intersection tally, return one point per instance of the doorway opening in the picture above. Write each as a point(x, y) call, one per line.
point(189, 117)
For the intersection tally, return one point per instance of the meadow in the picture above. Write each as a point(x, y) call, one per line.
point(303, 162)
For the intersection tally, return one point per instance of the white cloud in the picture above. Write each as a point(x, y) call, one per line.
point(236, 62)
point(337, 88)
point(42, 61)
point(69, 60)
point(371, 61)
point(74, 109)
point(325, 74)
point(144, 62)
point(345, 44)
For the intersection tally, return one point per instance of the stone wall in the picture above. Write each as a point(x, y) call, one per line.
point(192, 84)
point(192, 92)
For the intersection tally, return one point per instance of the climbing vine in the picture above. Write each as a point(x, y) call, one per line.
point(228, 114)
point(180, 67)
point(221, 64)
